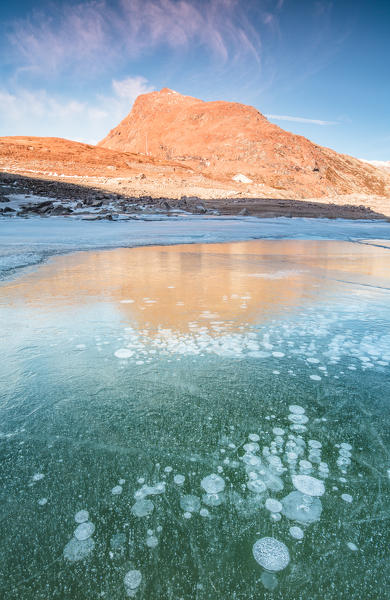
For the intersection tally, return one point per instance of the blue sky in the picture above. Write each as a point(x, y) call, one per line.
point(320, 69)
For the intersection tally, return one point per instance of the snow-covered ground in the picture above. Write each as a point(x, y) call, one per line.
point(24, 242)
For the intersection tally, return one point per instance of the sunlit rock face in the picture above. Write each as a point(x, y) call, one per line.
point(232, 140)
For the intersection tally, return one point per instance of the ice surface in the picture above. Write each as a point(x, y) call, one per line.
point(28, 241)
point(97, 418)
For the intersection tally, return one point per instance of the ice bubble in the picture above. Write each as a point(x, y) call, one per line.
point(275, 516)
point(123, 353)
point(204, 512)
point(251, 447)
point(278, 354)
point(256, 485)
point(132, 579)
point(346, 497)
point(151, 541)
point(254, 437)
point(159, 488)
point(301, 419)
point(168, 469)
point(38, 477)
point(81, 516)
point(314, 444)
point(298, 428)
point(301, 508)
point(128, 301)
point(179, 479)
point(313, 361)
point(142, 507)
point(42, 501)
point(190, 503)
point(118, 541)
point(315, 377)
point(271, 554)
point(84, 531)
point(213, 499)
point(278, 431)
point(310, 486)
point(251, 460)
point(269, 581)
point(78, 549)
point(314, 457)
point(122, 481)
point(273, 505)
point(305, 465)
point(187, 515)
point(296, 532)
point(291, 457)
point(296, 409)
point(352, 546)
point(346, 446)
point(343, 461)
point(116, 490)
point(272, 481)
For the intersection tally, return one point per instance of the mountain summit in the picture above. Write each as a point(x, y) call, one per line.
point(229, 140)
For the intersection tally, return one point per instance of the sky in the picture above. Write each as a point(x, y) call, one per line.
point(317, 68)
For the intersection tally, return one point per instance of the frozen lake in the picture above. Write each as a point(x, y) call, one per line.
point(195, 421)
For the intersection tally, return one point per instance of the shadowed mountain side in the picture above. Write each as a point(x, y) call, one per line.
point(27, 196)
point(228, 139)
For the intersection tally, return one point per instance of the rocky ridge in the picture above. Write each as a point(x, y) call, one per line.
point(234, 142)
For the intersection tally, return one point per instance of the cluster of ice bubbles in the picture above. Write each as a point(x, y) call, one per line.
point(311, 339)
point(82, 543)
point(285, 460)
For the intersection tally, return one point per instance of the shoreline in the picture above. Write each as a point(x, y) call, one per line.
point(27, 195)
point(26, 243)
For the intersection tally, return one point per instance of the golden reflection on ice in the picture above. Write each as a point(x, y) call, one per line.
point(174, 286)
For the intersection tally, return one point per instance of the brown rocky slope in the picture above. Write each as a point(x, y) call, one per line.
point(225, 139)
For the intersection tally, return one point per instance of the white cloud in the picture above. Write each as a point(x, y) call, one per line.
point(300, 120)
point(130, 88)
point(96, 34)
point(26, 112)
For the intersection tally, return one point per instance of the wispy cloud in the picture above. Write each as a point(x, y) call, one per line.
point(98, 33)
point(301, 120)
point(26, 112)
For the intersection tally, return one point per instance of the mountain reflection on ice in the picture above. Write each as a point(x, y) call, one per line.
point(197, 422)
